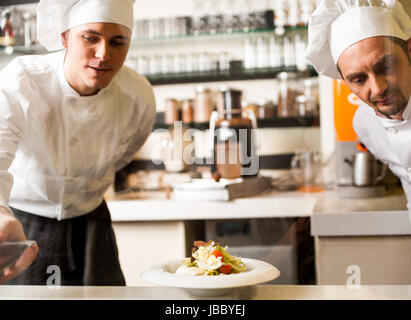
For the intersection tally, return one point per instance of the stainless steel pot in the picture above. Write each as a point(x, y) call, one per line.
point(365, 169)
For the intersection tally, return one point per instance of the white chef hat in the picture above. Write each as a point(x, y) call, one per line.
point(337, 24)
point(56, 16)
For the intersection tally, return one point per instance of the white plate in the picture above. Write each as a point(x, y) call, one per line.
point(164, 274)
point(204, 184)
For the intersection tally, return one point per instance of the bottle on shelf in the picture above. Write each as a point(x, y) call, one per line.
point(8, 31)
point(1, 37)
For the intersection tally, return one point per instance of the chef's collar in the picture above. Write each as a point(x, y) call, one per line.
point(388, 123)
point(68, 91)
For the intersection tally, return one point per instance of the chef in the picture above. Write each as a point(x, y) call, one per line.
point(68, 121)
point(368, 45)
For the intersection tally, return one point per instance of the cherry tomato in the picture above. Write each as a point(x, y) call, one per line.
point(217, 254)
point(225, 268)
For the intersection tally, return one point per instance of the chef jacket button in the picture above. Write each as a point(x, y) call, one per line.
point(409, 170)
point(392, 130)
point(73, 141)
point(71, 100)
point(107, 94)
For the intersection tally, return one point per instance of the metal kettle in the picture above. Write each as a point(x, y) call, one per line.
point(365, 169)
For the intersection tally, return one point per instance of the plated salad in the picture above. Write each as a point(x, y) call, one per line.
point(209, 259)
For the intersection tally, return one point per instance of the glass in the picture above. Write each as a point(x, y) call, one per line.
point(289, 51)
point(262, 52)
point(311, 92)
point(281, 13)
point(193, 62)
point(305, 106)
point(305, 166)
point(172, 111)
point(188, 110)
point(266, 110)
point(167, 64)
point(155, 65)
point(224, 62)
point(30, 26)
point(143, 65)
point(203, 105)
point(289, 90)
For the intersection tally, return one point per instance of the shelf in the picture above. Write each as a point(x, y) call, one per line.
point(215, 36)
point(15, 2)
point(232, 75)
point(290, 122)
point(20, 50)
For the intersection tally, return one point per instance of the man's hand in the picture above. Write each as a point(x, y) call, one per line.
point(12, 230)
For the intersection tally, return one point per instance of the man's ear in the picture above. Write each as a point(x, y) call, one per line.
point(64, 39)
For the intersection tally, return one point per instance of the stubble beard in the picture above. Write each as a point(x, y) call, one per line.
point(397, 107)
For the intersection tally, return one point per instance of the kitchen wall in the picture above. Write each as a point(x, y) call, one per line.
point(275, 141)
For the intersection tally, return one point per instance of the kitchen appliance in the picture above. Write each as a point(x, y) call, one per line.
point(234, 145)
point(345, 106)
point(365, 169)
point(356, 168)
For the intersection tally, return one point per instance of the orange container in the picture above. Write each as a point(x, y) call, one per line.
point(345, 106)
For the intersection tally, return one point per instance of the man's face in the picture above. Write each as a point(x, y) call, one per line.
point(95, 53)
point(378, 71)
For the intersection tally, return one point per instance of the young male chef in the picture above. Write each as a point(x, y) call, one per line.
point(367, 44)
point(68, 121)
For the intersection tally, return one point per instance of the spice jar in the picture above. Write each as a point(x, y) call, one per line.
point(188, 110)
point(266, 110)
point(289, 90)
point(172, 111)
point(203, 105)
point(311, 91)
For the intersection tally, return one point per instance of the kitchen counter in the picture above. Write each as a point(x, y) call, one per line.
point(149, 219)
point(154, 206)
point(334, 215)
point(368, 239)
point(260, 292)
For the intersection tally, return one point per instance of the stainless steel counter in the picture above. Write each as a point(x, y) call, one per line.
point(260, 292)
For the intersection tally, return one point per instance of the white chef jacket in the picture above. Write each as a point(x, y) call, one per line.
point(389, 141)
point(63, 149)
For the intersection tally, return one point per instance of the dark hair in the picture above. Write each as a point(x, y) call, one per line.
point(403, 45)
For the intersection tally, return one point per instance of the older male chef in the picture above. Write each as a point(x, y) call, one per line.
point(367, 43)
point(68, 121)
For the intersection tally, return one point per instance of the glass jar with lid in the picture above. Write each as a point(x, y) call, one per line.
point(187, 110)
point(289, 90)
point(311, 92)
point(266, 110)
point(172, 111)
point(203, 104)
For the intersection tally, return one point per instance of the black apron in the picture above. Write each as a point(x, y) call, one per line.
point(83, 248)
